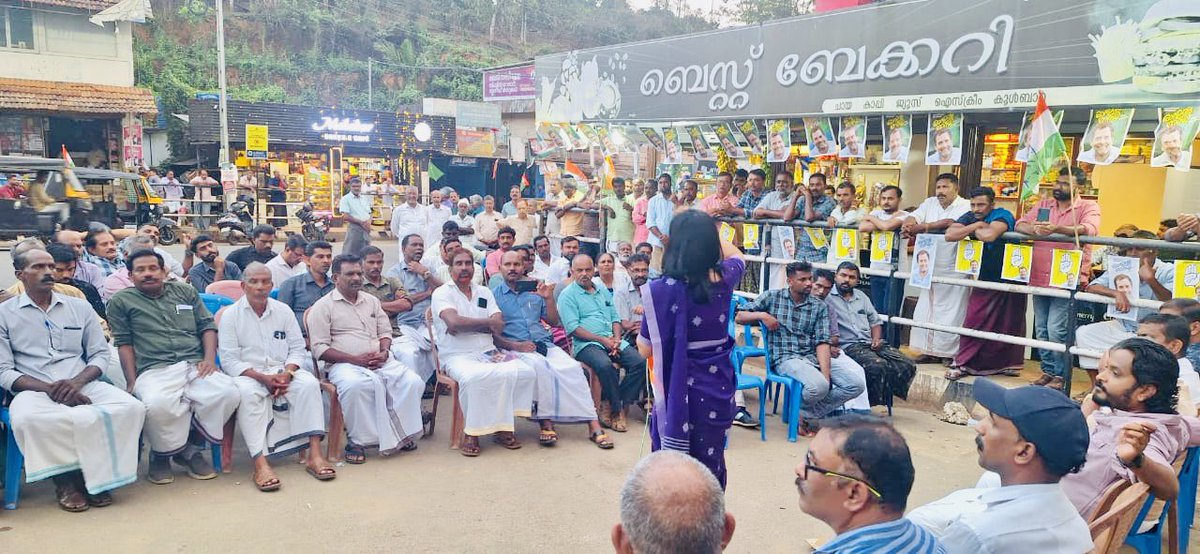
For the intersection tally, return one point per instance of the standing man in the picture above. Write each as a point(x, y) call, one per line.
point(659, 213)
point(887, 219)
point(860, 334)
point(463, 217)
point(561, 393)
point(618, 209)
point(277, 196)
point(751, 183)
point(412, 347)
point(509, 208)
point(205, 197)
point(844, 213)
point(302, 291)
point(409, 217)
point(722, 203)
point(380, 397)
point(799, 344)
point(856, 477)
point(775, 205)
point(940, 304)
point(262, 240)
point(172, 192)
point(436, 217)
point(525, 223)
point(247, 190)
point(816, 206)
point(1032, 438)
point(211, 267)
point(263, 350)
point(79, 431)
point(167, 345)
point(570, 220)
point(290, 261)
point(487, 224)
point(589, 318)
point(988, 310)
point(356, 211)
point(1067, 214)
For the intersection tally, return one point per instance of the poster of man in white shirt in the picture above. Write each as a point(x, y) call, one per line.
point(819, 133)
point(945, 139)
point(1105, 136)
point(1173, 137)
point(854, 136)
point(897, 134)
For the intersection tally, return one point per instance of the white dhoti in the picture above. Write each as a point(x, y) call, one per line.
point(845, 362)
point(491, 394)
point(100, 438)
point(275, 427)
point(113, 373)
point(381, 407)
point(412, 349)
point(561, 391)
point(176, 399)
point(1099, 337)
point(940, 304)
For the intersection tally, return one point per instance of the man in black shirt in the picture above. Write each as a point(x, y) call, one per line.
point(65, 259)
point(262, 238)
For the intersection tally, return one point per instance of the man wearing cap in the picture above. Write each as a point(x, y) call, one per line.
point(463, 218)
point(1031, 437)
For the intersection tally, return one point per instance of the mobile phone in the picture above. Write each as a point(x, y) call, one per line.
point(541, 348)
point(526, 286)
point(1043, 214)
point(482, 303)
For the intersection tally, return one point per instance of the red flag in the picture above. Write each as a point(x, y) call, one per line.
point(524, 181)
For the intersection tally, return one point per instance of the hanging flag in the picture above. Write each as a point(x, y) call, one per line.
point(524, 181)
point(570, 168)
point(1046, 146)
point(495, 167)
point(435, 173)
point(67, 157)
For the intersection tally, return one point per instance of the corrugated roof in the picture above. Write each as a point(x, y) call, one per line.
point(51, 96)
point(89, 5)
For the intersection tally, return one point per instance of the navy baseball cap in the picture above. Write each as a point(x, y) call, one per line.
point(1043, 416)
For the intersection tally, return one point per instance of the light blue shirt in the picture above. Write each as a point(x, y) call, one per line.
point(594, 311)
point(659, 213)
point(899, 535)
point(358, 207)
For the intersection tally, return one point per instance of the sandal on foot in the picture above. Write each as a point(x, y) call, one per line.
point(468, 449)
point(601, 439)
point(618, 423)
point(507, 440)
point(267, 482)
point(1011, 372)
point(71, 499)
point(323, 473)
point(102, 500)
point(1043, 380)
point(547, 437)
point(954, 374)
point(356, 455)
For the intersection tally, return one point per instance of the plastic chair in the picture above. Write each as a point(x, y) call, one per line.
point(1109, 526)
point(748, 348)
point(14, 462)
point(229, 288)
point(274, 294)
point(214, 302)
point(792, 389)
point(336, 434)
point(1172, 513)
point(1189, 479)
point(738, 356)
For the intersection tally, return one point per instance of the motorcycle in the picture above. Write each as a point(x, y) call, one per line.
point(236, 223)
point(313, 227)
point(168, 228)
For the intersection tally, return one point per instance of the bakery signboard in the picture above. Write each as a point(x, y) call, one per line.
point(914, 56)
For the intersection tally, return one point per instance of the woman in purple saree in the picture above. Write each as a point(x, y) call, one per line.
point(685, 332)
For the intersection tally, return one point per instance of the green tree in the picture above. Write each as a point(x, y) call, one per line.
point(760, 11)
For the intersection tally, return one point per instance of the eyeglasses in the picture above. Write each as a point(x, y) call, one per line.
point(809, 466)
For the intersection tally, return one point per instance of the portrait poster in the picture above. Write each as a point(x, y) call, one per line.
point(727, 232)
point(561, 138)
point(1125, 279)
point(945, 139)
point(578, 141)
point(924, 257)
point(882, 245)
point(607, 146)
point(853, 130)
point(1187, 279)
point(816, 237)
point(749, 130)
point(897, 137)
point(654, 138)
point(1174, 136)
point(779, 140)
point(700, 144)
point(1105, 136)
point(627, 137)
point(818, 131)
point(968, 256)
point(549, 142)
point(674, 152)
point(728, 140)
point(589, 132)
point(750, 233)
point(1018, 260)
point(845, 246)
point(783, 242)
point(1064, 268)
point(1023, 150)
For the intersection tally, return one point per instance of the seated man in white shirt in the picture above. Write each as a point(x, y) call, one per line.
point(1173, 333)
point(546, 266)
point(493, 385)
point(281, 410)
point(1032, 437)
point(290, 261)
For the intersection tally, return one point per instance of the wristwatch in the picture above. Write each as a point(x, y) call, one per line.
point(1135, 463)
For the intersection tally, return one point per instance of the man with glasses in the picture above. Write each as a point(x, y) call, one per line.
point(856, 477)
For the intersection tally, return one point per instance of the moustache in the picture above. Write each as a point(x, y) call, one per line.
point(48, 279)
point(979, 443)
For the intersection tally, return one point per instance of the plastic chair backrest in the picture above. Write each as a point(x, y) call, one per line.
point(762, 328)
point(274, 294)
point(229, 288)
point(1109, 528)
point(214, 302)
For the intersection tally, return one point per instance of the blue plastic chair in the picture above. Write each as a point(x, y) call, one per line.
point(792, 389)
point(274, 294)
point(214, 302)
point(1150, 542)
point(738, 356)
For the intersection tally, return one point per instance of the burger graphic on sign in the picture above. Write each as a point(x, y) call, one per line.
point(1161, 53)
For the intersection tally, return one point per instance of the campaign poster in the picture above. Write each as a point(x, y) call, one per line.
point(945, 139)
point(727, 232)
point(854, 136)
point(578, 141)
point(897, 137)
point(1105, 136)
point(779, 140)
point(845, 246)
point(700, 144)
point(1023, 150)
point(589, 132)
point(924, 256)
point(728, 140)
point(818, 131)
point(1173, 137)
point(1064, 268)
point(882, 244)
point(968, 256)
point(1187, 279)
point(749, 130)
point(559, 137)
point(1018, 260)
point(654, 138)
point(1125, 279)
point(607, 146)
point(750, 233)
point(627, 137)
point(783, 245)
point(548, 141)
point(816, 237)
point(674, 152)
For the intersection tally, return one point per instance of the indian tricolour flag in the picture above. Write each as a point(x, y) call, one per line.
point(1046, 145)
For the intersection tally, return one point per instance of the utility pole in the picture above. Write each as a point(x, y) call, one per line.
point(222, 102)
point(370, 83)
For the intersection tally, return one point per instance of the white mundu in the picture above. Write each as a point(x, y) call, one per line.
point(271, 427)
point(99, 438)
point(562, 393)
point(177, 399)
point(941, 304)
point(493, 386)
point(411, 348)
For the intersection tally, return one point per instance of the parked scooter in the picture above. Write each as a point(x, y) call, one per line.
point(235, 224)
point(313, 226)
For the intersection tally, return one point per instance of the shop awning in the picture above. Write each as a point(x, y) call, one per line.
point(78, 98)
point(90, 5)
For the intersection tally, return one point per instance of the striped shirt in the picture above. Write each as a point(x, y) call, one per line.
point(900, 535)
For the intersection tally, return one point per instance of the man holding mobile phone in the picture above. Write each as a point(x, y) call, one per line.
point(562, 393)
point(1066, 214)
